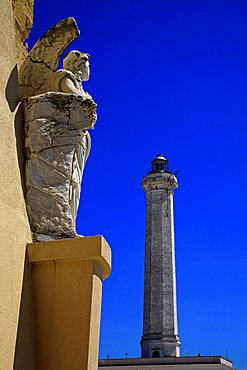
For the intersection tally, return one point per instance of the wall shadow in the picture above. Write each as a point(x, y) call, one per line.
point(19, 137)
point(25, 350)
point(13, 98)
point(12, 90)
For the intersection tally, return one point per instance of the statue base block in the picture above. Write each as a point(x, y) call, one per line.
point(67, 284)
point(57, 145)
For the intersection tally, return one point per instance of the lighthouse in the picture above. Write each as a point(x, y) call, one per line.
point(160, 330)
point(160, 342)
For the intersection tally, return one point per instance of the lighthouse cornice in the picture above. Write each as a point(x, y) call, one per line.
point(159, 181)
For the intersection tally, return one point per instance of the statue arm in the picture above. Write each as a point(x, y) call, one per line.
point(68, 86)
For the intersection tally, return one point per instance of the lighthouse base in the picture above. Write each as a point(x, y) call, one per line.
point(157, 346)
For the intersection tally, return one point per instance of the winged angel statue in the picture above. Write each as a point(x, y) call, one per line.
point(58, 114)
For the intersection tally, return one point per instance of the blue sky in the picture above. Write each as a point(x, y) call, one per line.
point(169, 77)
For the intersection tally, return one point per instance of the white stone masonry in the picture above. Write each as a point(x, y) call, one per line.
point(160, 331)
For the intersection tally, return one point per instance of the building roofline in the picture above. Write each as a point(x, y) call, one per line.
point(166, 361)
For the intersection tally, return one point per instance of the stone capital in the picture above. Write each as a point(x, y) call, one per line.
point(159, 181)
point(94, 248)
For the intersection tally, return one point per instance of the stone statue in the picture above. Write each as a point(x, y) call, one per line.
point(58, 114)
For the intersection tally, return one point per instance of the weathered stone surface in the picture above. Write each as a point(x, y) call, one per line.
point(160, 332)
point(58, 114)
point(55, 131)
point(70, 109)
point(39, 67)
point(23, 16)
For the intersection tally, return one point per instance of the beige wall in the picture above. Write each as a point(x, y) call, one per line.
point(14, 226)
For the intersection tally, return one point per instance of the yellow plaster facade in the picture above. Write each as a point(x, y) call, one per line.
point(15, 231)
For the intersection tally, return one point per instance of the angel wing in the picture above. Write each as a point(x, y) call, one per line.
point(42, 61)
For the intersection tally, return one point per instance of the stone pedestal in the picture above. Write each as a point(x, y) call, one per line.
point(67, 283)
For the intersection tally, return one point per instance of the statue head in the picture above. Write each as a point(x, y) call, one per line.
point(78, 63)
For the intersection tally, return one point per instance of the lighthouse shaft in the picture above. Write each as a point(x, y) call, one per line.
point(160, 332)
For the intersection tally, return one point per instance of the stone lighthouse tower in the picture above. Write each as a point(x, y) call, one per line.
point(160, 331)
